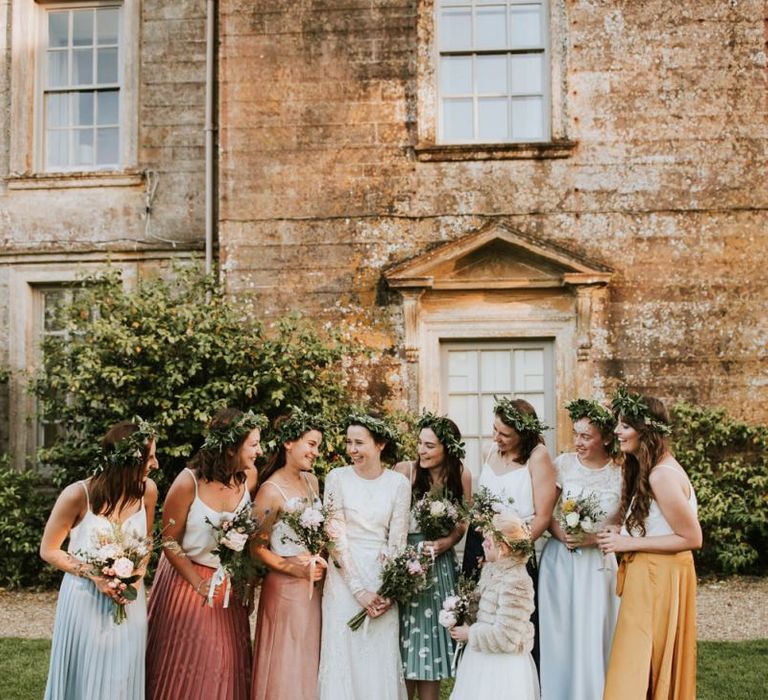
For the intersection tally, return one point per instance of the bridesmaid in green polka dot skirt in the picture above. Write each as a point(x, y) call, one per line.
point(425, 646)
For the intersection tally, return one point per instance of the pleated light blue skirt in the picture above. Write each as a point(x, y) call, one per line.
point(92, 658)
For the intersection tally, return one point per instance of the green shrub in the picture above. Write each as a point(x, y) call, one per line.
point(174, 352)
point(727, 461)
point(25, 502)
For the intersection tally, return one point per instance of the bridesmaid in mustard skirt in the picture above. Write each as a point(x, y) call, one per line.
point(654, 646)
point(286, 651)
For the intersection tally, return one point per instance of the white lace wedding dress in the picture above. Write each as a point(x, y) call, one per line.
point(371, 517)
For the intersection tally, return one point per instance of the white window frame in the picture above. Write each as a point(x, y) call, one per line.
point(28, 44)
point(541, 50)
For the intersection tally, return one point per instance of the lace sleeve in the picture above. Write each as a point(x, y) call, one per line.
point(337, 529)
point(398, 525)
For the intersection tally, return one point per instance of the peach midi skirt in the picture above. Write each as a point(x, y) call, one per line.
point(654, 647)
point(286, 652)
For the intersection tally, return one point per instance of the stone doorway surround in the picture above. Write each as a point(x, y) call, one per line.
point(499, 283)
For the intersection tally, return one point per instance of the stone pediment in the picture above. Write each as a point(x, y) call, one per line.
point(495, 257)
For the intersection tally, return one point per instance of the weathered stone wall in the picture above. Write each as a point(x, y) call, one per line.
point(320, 188)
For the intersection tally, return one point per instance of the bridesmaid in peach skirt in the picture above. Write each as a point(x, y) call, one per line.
point(287, 645)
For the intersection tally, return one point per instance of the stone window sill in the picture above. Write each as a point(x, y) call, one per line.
point(68, 180)
point(495, 151)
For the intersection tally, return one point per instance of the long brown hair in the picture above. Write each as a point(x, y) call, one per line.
point(450, 471)
point(636, 493)
point(219, 465)
point(528, 439)
point(118, 485)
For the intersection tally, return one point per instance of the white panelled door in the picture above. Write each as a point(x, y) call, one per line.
point(472, 372)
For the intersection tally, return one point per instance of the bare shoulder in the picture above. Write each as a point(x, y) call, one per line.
point(403, 468)
point(183, 487)
point(313, 482)
point(540, 458)
point(73, 497)
point(150, 491)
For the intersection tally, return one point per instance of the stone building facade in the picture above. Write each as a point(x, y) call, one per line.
point(539, 197)
point(101, 159)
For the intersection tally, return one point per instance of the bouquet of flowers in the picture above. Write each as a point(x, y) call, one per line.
point(580, 514)
point(236, 567)
point(484, 506)
point(403, 576)
point(436, 516)
point(307, 522)
point(118, 556)
point(460, 609)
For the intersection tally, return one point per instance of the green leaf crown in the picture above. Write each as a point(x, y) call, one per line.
point(128, 452)
point(382, 430)
point(219, 438)
point(298, 423)
point(521, 422)
point(440, 426)
point(632, 406)
point(594, 412)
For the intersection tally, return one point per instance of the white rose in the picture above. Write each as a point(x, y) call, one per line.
point(109, 551)
point(572, 519)
point(588, 525)
point(437, 508)
point(451, 602)
point(497, 507)
point(123, 567)
point(311, 518)
point(234, 540)
point(447, 619)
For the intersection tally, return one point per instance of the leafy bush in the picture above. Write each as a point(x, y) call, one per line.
point(25, 503)
point(727, 461)
point(174, 352)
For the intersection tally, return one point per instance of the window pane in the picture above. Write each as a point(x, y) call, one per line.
point(496, 371)
point(455, 30)
point(82, 73)
point(82, 109)
point(53, 301)
point(528, 118)
point(527, 75)
point(57, 110)
point(58, 69)
point(107, 141)
point(108, 107)
point(83, 147)
point(58, 30)
point(492, 75)
point(526, 25)
point(82, 28)
point(462, 371)
point(107, 66)
point(456, 75)
point(463, 410)
point(106, 25)
point(491, 28)
point(457, 120)
point(492, 119)
point(56, 149)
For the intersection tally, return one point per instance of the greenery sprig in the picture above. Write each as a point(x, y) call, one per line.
point(129, 451)
point(379, 428)
point(442, 429)
point(521, 422)
point(218, 439)
point(594, 412)
point(632, 406)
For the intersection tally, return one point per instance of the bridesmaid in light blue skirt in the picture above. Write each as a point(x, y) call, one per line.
point(92, 657)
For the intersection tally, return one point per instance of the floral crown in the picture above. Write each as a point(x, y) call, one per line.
point(594, 412)
point(633, 406)
point(440, 426)
point(523, 544)
point(379, 428)
point(521, 422)
point(129, 451)
point(298, 423)
point(219, 438)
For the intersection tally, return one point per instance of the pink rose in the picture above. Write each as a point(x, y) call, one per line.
point(451, 602)
point(415, 568)
point(123, 567)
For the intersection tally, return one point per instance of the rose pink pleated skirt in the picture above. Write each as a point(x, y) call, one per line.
point(194, 651)
point(286, 652)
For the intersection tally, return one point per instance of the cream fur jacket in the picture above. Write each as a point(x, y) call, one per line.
point(506, 603)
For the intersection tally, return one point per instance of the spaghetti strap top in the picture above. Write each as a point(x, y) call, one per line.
point(199, 541)
point(280, 539)
point(516, 484)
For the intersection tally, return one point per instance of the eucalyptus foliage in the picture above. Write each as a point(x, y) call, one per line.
point(174, 352)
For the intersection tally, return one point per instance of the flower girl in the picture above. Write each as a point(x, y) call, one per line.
point(497, 662)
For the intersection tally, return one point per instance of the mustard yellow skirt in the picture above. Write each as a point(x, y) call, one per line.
point(654, 647)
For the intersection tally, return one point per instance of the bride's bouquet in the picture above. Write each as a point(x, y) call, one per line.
point(118, 556)
point(403, 576)
point(460, 609)
point(579, 515)
point(484, 506)
point(308, 528)
point(236, 568)
point(436, 516)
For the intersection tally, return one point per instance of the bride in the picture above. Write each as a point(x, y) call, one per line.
point(371, 506)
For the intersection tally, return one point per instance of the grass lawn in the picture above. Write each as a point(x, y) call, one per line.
point(732, 670)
